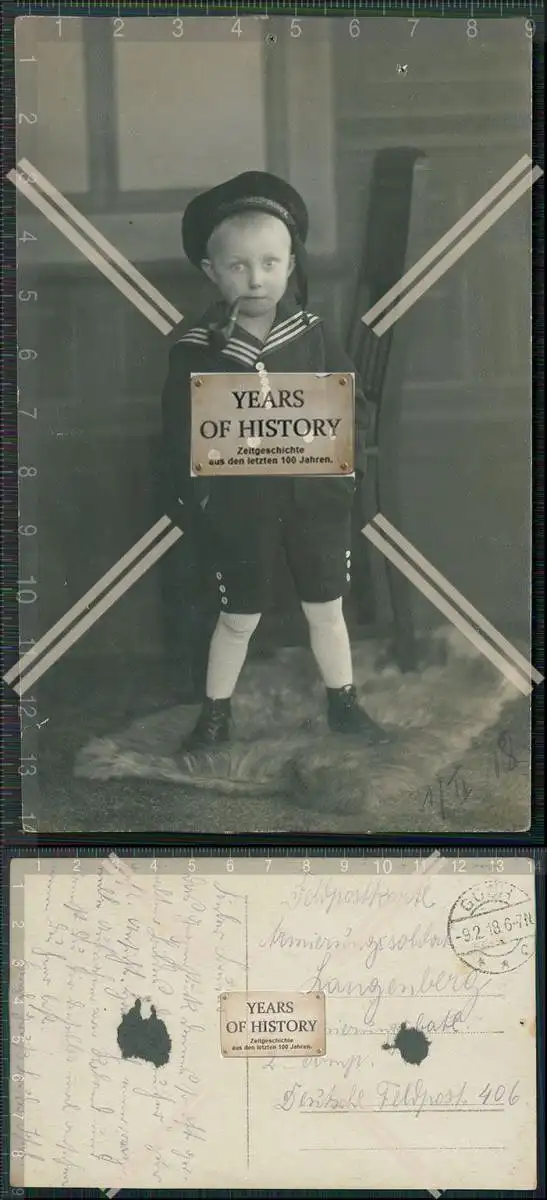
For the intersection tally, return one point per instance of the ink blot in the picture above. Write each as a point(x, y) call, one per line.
point(412, 1045)
point(144, 1038)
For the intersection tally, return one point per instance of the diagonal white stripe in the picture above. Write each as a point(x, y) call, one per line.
point(98, 588)
point(197, 336)
point(90, 253)
point(86, 622)
point(444, 586)
point(446, 240)
point(238, 344)
point(278, 339)
point(247, 359)
point(461, 248)
point(284, 327)
point(93, 234)
point(447, 609)
point(289, 337)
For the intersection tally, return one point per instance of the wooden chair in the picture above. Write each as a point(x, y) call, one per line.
point(380, 363)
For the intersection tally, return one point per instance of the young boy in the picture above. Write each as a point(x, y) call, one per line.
point(247, 235)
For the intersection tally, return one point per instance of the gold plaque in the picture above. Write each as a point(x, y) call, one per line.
point(265, 1024)
point(279, 424)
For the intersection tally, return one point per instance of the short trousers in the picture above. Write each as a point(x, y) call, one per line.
point(244, 554)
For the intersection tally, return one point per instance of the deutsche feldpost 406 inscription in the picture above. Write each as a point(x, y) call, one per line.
point(282, 424)
point(262, 1024)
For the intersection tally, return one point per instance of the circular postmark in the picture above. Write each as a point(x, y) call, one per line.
point(491, 927)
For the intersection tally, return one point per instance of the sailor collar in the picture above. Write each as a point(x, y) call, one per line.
point(245, 348)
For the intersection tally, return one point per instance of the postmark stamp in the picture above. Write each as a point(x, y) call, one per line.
point(491, 927)
point(266, 1024)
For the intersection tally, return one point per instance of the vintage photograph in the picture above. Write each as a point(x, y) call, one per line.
point(272, 207)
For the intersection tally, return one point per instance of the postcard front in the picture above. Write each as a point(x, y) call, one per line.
point(334, 622)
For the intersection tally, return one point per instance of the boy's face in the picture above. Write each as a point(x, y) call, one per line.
point(250, 259)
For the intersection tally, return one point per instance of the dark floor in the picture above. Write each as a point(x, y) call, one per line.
point(489, 790)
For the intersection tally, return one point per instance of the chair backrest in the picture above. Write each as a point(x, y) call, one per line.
point(382, 263)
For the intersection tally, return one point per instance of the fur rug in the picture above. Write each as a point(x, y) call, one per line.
point(282, 745)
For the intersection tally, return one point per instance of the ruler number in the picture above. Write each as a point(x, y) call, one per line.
point(529, 28)
point(230, 864)
point(472, 28)
point(26, 595)
point(27, 237)
point(296, 28)
point(414, 21)
point(24, 296)
point(236, 28)
point(76, 865)
point(268, 864)
point(27, 118)
point(119, 26)
point(354, 28)
point(306, 866)
point(24, 412)
point(458, 866)
point(344, 865)
point(178, 27)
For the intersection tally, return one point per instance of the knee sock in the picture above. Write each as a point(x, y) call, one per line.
point(227, 652)
point(329, 641)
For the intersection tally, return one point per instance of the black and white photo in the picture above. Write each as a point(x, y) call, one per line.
point(273, 201)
